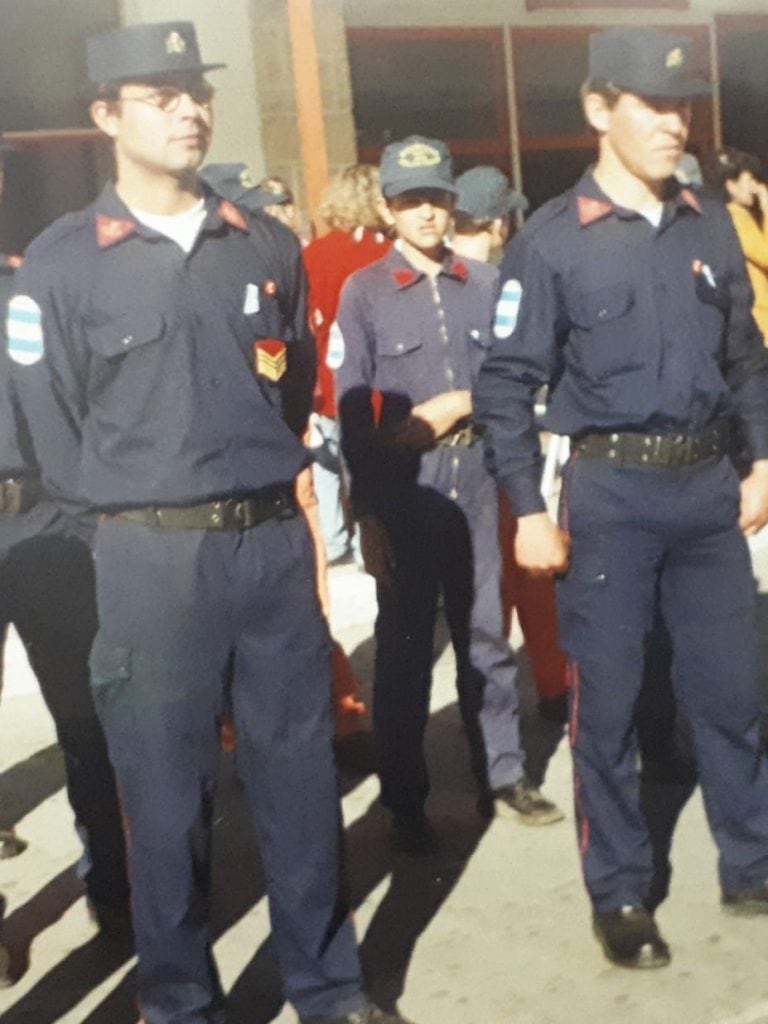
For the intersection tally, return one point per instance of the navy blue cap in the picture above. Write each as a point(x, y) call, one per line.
point(145, 51)
point(414, 163)
point(485, 194)
point(646, 62)
point(234, 182)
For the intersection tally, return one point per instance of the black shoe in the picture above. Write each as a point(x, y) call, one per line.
point(630, 938)
point(11, 845)
point(414, 836)
point(370, 1015)
point(747, 903)
point(523, 800)
point(554, 709)
point(113, 919)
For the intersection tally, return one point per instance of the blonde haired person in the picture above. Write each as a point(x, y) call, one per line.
point(356, 239)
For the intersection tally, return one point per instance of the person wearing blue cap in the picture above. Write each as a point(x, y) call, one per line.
point(628, 297)
point(413, 330)
point(482, 218)
point(163, 361)
point(234, 182)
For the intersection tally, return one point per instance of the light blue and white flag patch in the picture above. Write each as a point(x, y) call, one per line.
point(336, 347)
point(507, 308)
point(25, 330)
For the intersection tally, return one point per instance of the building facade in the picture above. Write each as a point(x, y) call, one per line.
point(498, 79)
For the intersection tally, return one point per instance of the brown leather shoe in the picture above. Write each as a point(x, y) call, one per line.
point(11, 845)
point(524, 801)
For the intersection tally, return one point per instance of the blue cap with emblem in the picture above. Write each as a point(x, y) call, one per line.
point(234, 182)
point(646, 62)
point(484, 194)
point(145, 51)
point(416, 163)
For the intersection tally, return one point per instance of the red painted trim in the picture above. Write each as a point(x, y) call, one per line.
point(111, 230)
point(231, 214)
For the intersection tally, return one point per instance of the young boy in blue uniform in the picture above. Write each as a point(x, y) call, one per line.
point(416, 328)
point(628, 296)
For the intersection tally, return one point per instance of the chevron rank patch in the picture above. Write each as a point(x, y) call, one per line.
point(270, 358)
point(24, 329)
point(507, 308)
point(336, 349)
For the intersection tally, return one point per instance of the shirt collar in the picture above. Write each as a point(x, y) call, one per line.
point(592, 204)
point(114, 222)
point(403, 274)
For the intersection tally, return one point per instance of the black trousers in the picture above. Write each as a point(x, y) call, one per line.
point(47, 592)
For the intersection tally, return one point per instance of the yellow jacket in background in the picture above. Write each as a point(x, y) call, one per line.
point(754, 243)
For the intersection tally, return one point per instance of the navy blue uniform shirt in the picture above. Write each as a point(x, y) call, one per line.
point(633, 327)
point(151, 376)
point(408, 339)
point(17, 456)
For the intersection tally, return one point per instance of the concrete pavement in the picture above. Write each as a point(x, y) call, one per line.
point(493, 931)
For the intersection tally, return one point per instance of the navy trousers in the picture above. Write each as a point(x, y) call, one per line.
point(188, 621)
point(47, 592)
point(442, 544)
point(636, 534)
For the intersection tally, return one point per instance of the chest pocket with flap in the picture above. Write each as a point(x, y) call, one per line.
point(125, 334)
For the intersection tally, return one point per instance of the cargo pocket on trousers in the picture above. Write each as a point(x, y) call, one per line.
point(581, 596)
point(110, 667)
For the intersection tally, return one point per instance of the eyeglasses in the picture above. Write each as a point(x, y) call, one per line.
point(168, 97)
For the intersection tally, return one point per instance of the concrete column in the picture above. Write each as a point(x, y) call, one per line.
point(275, 68)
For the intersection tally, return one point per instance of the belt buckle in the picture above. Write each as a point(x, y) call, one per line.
point(240, 515)
point(683, 448)
point(655, 443)
point(12, 497)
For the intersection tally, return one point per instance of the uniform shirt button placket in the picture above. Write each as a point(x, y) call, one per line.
point(443, 333)
point(455, 463)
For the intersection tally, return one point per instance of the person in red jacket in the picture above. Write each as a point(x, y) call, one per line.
point(356, 238)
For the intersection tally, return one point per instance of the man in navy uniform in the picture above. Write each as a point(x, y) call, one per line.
point(628, 296)
point(164, 364)
point(415, 328)
point(47, 592)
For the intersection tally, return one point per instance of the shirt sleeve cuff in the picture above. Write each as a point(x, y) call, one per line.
point(756, 436)
point(524, 491)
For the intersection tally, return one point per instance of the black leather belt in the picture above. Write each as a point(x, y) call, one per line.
point(236, 514)
point(671, 451)
point(463, 437)
point(18, 496)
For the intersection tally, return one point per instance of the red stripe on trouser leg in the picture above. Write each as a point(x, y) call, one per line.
point(573, 686)
point(582, 818)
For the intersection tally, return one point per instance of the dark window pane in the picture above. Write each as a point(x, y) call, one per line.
point(443, 87)
point(547, 173)
point(549, 70)
point(744, 85)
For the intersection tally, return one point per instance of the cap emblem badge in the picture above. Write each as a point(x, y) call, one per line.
point(175, 43)
point(675, 58)
point(418, 154)
point(246, 180)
